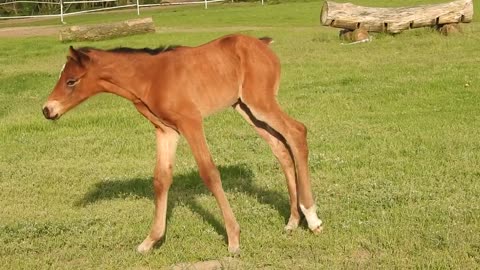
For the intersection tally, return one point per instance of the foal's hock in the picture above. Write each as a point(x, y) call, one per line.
point(175, 88)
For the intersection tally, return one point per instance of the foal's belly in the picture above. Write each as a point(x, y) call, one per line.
point(209, 101)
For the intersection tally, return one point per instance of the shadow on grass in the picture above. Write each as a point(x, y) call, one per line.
point(185, 189)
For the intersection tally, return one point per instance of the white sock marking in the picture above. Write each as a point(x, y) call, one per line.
point(311, 215)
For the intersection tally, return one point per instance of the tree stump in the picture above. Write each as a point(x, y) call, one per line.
point(395, 20)
point(449, 29)
point(108, 30)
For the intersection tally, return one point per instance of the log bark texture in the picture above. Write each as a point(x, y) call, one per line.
point(395, 20)
point(108, 30)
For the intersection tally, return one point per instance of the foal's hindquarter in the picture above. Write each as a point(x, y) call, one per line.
point(176, 89)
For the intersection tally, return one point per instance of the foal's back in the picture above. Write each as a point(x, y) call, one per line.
point(211, 77)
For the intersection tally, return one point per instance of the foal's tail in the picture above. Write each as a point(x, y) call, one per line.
point(266, 40)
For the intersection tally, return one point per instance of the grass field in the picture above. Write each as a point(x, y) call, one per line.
point(394, 152)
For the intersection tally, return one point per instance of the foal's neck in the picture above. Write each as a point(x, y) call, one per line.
point(121, 73)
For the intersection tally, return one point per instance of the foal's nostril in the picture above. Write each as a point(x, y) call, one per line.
point(46, 112)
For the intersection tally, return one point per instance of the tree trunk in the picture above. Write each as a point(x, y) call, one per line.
point(106, 31)
point(15, 9)
point(395, 20)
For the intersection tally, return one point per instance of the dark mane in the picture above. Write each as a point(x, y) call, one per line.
point(126, 50)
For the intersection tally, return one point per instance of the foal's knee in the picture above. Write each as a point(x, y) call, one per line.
point(162, 179)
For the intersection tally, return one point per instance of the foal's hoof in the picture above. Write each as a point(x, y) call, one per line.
point(289, 229)
point(314, 223)
point(145, 246)
point(291, 226)
point(316, 227)
point(317, 230)
point(234, 251)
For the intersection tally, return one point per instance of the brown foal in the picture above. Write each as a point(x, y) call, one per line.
point(175, 88)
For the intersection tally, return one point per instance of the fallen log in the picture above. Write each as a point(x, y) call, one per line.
point(107, 30)
point(395, 20)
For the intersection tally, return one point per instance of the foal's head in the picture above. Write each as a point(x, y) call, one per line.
point(77, 82)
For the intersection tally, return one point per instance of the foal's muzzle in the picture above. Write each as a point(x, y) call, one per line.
point(50, 111)
point(46, 113)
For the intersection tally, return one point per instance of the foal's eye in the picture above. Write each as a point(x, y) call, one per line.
point(71, 83)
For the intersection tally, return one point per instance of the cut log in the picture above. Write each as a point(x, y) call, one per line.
point(108, 30)
point(395, 20)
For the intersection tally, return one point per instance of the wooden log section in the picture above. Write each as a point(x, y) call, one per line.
point(108, 30)
point(395, 20)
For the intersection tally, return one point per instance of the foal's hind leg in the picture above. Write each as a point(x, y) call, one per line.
point(295, 134)
point(281, 152)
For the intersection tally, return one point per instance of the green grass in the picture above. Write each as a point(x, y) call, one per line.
point(288, 13)
point(394, 154)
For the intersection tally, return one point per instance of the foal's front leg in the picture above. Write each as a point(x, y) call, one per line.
point(167, 140)
point(192, 129)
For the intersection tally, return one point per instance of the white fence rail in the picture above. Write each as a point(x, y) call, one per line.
point(63, 10)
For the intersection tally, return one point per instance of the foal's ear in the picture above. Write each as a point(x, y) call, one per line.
point(78, 56)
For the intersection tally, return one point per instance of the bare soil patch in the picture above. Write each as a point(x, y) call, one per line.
point(52, 30)
point(29, 31)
